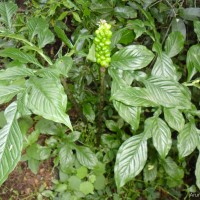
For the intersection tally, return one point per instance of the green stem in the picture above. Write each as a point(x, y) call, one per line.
point(101, 104)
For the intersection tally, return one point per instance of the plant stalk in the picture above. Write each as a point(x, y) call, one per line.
point(101, 104)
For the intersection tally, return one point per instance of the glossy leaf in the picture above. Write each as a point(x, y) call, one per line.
point(8, 92)
point(164, 67)
point(89, 112)
point(47, 99)
point(137, 26)
point(133, 97)
point(36, 26)
point(22, 102)
point(86, 188)
point(125, 12)
point(14, 73)
point(172, 169)
point(64, 64)
point(76, 17)
point(39, 26)
point(130, 160)
point(150, 172)
point(161, 134)
point(7, 10)
point(174, 44)
point(45, 126)
point(174, 118)
point(2, 119)
point(91, 53)
point(111, 125)
point(122, 36)
point(19, 55)
point(197, 28)
point(149, 127)
point(74, 136)
point(197, 172)
point(167, 93)
point(38, 152)
point(86, 157)
point(11, 143)
point(61, 34)
point(103, 8)
point(190, 13)
point(45, 37)
point(132, 57)
point(52, 72)
point(179, 25)
point(187, 140)
point(100, 182)
point(129, 113)
point(193, 60)
point(66, 158)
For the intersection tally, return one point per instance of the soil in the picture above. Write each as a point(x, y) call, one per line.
point(22, 184)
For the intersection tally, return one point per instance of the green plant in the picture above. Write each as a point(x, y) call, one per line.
point(139, 114)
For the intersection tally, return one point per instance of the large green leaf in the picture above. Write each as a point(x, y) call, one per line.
point(161, 137)
point(187, 140)
point(172, 169)
point(66, 157)
point(47, 98)
point(167, 92)
point(179, 25)
point(19, 55)
point(164, 67)
point(193, 60)
point(45, 37)
point(150, 172)
point(36, 26)
point(149, 126)
point(22, 102)
point(52, 72)
point(103, 7)
point(8, 92)
point(197, 28)
point(123, 35)
point(38, 152)
point(197, 172)
point(10, 143)
point(40, 27)
point(64, 64)
point(14, 73)
point(137, 26)
point(191, 13)
point(174, 118)
point(130, 160)
point(86, 157)
point(7, 10)
point(174, 43)
point(133, 97)
point(129, 113)
point(61, 34)
point(126, 12)
point(88, 112)
point(132, 57)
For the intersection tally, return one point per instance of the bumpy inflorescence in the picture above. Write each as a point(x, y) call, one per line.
point(102, 43)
